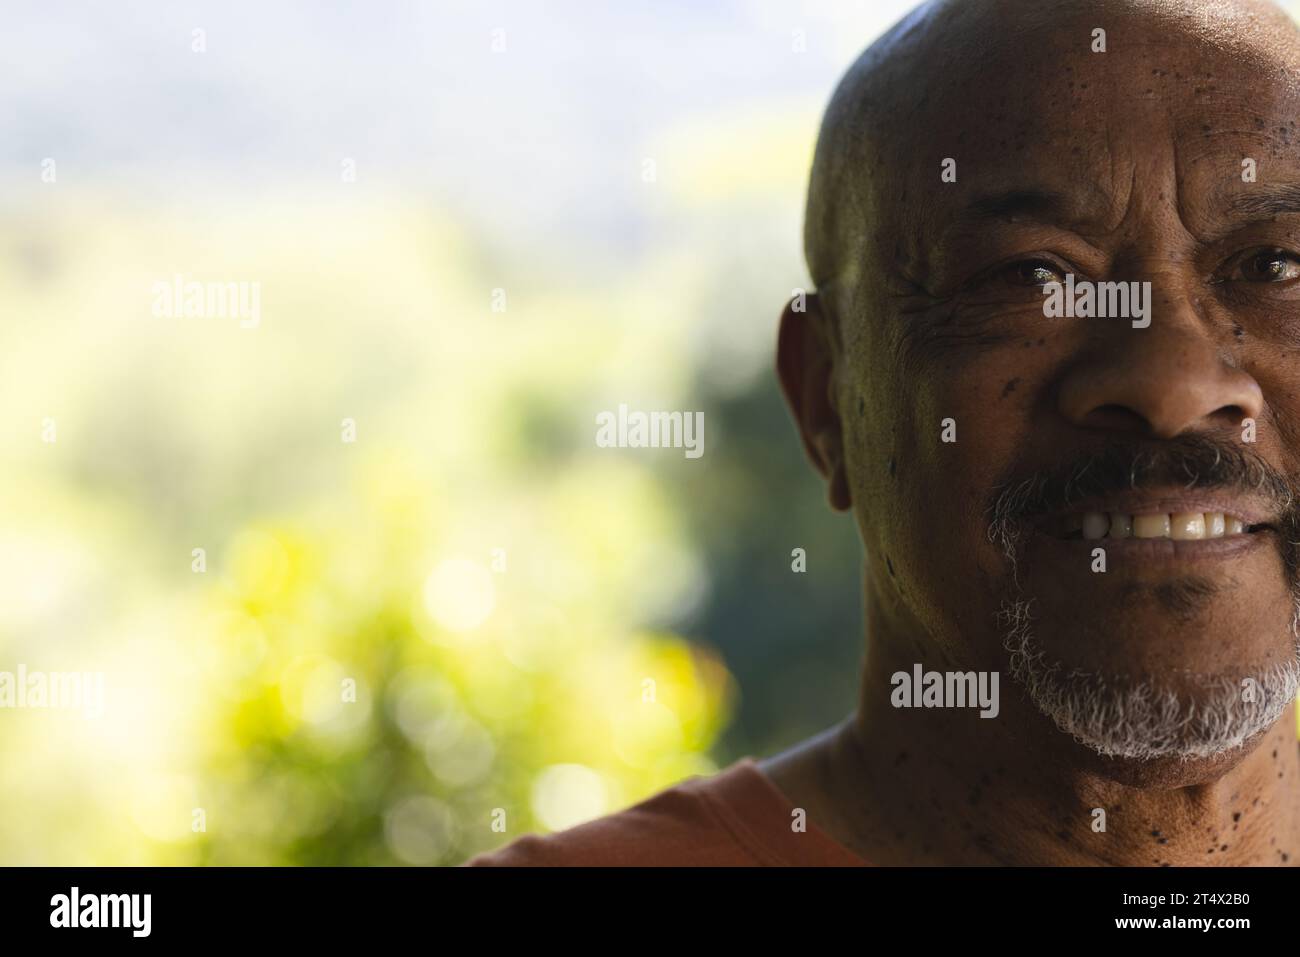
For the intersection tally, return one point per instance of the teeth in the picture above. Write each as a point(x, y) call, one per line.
point(1180, 526)
point(1095, 525)
point(1150, 526)
point(1187, 525)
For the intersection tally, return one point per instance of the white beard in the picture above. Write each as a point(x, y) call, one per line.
point(1146, 721)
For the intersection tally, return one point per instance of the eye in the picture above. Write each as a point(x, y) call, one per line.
point(1031, 272)
point(1265, 265)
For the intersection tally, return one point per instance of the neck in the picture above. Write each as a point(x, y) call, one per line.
point(945, 786)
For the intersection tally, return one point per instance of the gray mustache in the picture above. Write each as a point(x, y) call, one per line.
point(1188, 462)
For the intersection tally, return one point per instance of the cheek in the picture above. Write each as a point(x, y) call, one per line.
point(1278, 375)
point(924, 454)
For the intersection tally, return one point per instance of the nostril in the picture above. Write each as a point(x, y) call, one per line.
point(1117, 417)
point(1232, 414)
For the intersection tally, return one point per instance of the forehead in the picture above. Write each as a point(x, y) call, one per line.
point(1170, 105)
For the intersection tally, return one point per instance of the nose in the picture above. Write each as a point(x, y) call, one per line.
point(1162, 381)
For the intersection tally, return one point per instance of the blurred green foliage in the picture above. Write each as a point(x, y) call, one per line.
point(467, 624)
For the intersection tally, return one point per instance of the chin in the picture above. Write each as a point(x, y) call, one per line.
point(1165, 772)
point(1150, 710)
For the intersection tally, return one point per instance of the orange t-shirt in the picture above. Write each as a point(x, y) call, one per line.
point(736, 818)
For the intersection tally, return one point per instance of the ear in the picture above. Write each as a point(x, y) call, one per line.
point(805, 365)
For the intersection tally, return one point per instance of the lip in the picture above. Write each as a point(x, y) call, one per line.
point(1250, 510)
point(1156, 550)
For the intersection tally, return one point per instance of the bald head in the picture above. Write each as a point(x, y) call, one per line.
point(1012, 83)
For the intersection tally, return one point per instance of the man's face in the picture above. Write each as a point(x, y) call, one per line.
point(1086, 433)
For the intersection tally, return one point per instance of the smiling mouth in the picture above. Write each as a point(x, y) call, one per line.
point(1178, 526)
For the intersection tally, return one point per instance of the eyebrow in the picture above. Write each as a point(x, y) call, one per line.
point(1035, 203)
point(1268, 199)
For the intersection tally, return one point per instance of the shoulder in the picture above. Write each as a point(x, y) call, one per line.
point(682, 826)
